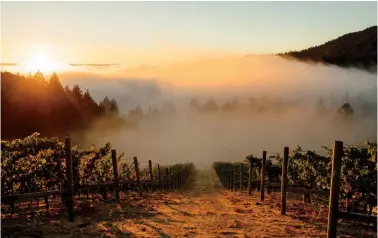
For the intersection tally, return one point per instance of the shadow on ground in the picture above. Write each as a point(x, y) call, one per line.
point(95, 219)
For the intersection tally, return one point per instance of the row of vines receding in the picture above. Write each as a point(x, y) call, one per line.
point(36, 163)
point(312, 170)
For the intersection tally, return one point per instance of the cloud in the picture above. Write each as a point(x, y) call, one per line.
point(8, 64)
point(94, 65)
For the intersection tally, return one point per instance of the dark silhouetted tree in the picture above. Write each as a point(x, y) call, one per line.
point(114, 110)
point(136, 114)
point(209, 106)
point(33, 104)
point(346, 110)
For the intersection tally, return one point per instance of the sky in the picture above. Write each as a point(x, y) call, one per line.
point(144, 33)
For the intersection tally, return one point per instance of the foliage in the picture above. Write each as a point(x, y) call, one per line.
point(311, 170)
point(37, 163)
point(357, 49)
point(345, 110)
point(50, 108)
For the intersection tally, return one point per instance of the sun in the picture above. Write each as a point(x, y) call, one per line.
point(42, 62)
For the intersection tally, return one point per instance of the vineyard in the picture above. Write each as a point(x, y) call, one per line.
point(36, 168)
point(305, 172)
point(44, 177)
point(309, 170)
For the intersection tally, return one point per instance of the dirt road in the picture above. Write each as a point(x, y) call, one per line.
point(201, 209)
point(204, 209)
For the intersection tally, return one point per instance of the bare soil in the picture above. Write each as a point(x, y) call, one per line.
point(201, 209)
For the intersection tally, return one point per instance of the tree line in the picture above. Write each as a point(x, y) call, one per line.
point(357, 49)
point(35, 103)
point(259, 105)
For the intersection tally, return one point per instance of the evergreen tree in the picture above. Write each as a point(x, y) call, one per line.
point(210, 106)
point(114, 110)
point(346, 110)
point(50, 108)
point(136, 114)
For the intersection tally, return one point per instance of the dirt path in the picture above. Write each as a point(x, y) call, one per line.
point(204, 209)
point(201, 209)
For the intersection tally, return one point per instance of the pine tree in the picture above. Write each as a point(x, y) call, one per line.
point(210, 106)
point(114, 110)
point(346, 110)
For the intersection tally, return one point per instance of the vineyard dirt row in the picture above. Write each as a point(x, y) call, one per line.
point(200, 209)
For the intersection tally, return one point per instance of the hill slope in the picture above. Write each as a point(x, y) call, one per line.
point(357, 49)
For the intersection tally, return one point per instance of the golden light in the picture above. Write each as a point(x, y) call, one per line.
point(42, 62)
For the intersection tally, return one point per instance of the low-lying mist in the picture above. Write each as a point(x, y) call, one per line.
point(272, 103)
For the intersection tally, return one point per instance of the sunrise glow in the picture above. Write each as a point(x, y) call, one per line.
point(42, 62)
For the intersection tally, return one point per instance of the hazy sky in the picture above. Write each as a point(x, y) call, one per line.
point(134, 33)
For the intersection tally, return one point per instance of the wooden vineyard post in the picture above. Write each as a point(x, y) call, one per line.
point(167, 178)
point(225, 179)
point(241, 177)
point(159, 177)
point(232, 178)
point(150, 171)
point(170, 178)
point(234, 172)
point(222, 177)
point(307, 197)
point(186, 173)
point(228, 178)
point(179, 178)
point(70, 183)
point(262, 187)
point(115, 172)
point(137, 176)
point(250, 177)
point(284, 180)
point(335, 189)
point(182, 177)
point(173, 181)
point(235, 185)
point(176, 180)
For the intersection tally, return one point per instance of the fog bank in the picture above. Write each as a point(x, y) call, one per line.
point(287, 90)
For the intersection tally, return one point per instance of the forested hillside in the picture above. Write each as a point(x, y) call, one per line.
point(34, 103)
point(357, 49)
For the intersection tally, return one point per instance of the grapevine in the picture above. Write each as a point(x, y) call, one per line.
point(309, 169)
point(36, 164)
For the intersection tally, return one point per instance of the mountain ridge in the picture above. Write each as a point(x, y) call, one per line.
point(351, 50)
